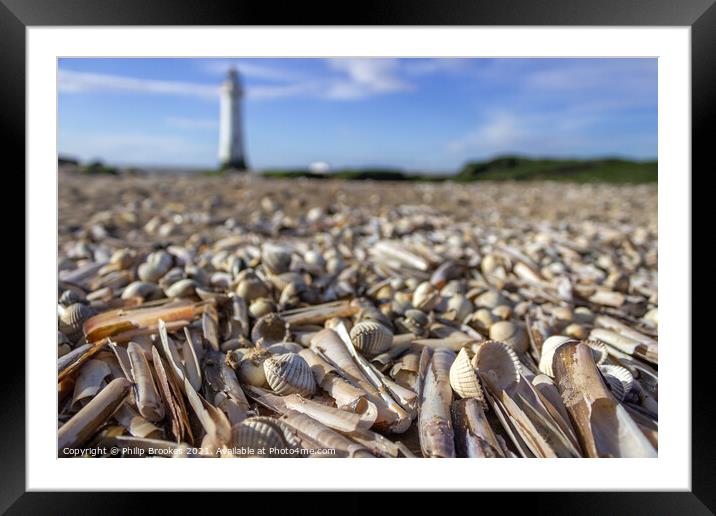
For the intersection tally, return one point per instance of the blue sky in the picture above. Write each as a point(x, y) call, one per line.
point(417, 114)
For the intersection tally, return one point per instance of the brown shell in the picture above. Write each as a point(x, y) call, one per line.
point(259, 433)
point(289, 374)
point(73, 318)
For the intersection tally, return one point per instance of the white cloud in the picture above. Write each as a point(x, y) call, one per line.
point(249, 68)
point(365, 77)
point(191, 123)
point(79, 82)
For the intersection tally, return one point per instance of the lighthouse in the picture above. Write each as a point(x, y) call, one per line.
point(231, 138)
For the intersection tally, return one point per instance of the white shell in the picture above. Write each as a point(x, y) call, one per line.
point(371, 337)
point(156, 266)
point(600, 352)
point(182, 288)
point(497, 363)
point(548, 348)
point(619, 380)
point(72, 319)
point(425, 297)
point(259, 433)
point(463, 378)
point(512, 334)
point(289, 374)
point(276, 258)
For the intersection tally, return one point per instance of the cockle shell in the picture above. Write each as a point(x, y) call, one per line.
point(460, 306)
point(261, 306)
point(251, 287)
point(619, 380)
point(275, 258)
point(259, 433)
point(512, 334)
point(371, 338)
point(156, 265)
point(269, 329)
point(289, 374)
point(425, 297)
point(599, 350)
point(497, 363)
point(548, 348)
point(72, 319)
point(463, 377)
point(69, 297)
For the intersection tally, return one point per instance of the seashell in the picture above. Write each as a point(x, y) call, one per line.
point(69, 297)
point(502, 312)
point(425, 297)
point(182, 288)
point(141, 289)
point(122, 258)
point(619, 380)
point(510, 333)
point(156, 265)
point(72, 319)
point(249, 365)
point(497, 363)
point(314, 259)
point(583, 315)
point(289, 374)
point(549, 346)
point(371, 338)
point(490, 299)
point(251, 287)
point(259, 433)
point(276, 259)
point(261, 306)
point(269, 329)
point(284, 347)
point(463, 378)
point(576, 331)
point(600, 351)
point(461, 306)
point(483, 319)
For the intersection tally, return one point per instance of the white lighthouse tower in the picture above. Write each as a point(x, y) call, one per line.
point(231, 138)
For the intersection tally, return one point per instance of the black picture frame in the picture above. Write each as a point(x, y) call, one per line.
point(700, 15)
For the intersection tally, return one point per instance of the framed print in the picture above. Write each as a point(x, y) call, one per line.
point(425, 233)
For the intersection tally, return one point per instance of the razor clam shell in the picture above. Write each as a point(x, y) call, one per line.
point(90, 379)
point(549, 347)
point(147, 397)
point(474, 436)
point(434, 419)
point(289, 373)
point(371, 338)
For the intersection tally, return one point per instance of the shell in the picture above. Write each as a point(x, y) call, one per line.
point(182, 288)
point(141, 289)
point(512, 334)
point(276, 258)
point(259, 433)
point(497, 363)
point(490, 299)
point(261, 306)
point(548, 348)
point(284, 347)
point(156, 265)
point(251, 288)
point(288, 374)
point(72, 319)
point(417, 317)
point(619, 380)
point(69, 297)
point(599, 350)
point(371, 338)
point(425, 297)
point(463, 377)
point(461, 306)
point(250, 366)
point(269, 329)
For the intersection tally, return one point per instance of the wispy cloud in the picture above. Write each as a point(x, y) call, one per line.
point(191, 123)
point(365, 78)
point(80, 82)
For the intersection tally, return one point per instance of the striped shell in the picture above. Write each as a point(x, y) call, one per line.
point(497, 363)
point(69, 297)
point(548, 348)
point(463, 378)
point(73, 318)
point(619, 380)
point(289, 374)
point(371, 338)
point(259, 433)
point(600, 352)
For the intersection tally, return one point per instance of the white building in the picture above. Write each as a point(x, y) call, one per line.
point(231, 137)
